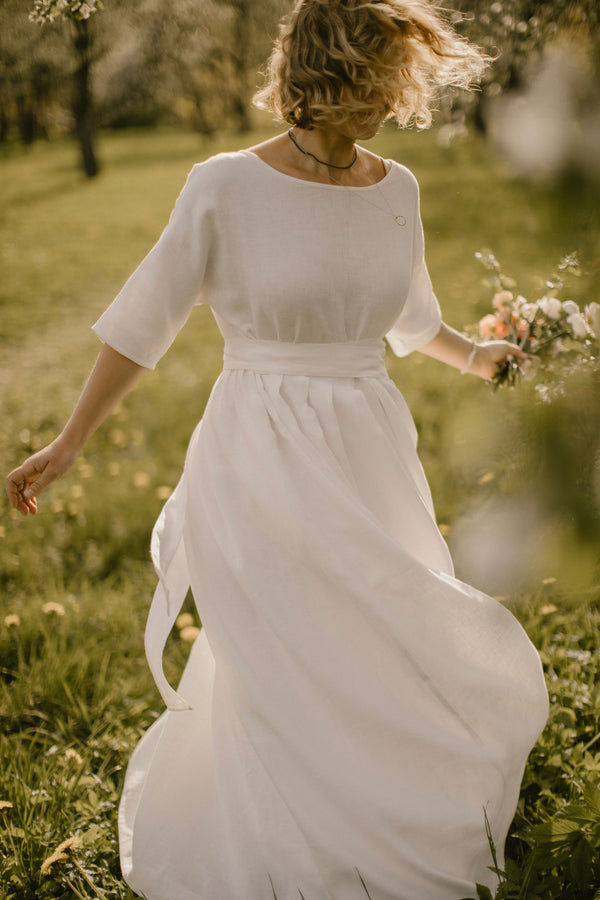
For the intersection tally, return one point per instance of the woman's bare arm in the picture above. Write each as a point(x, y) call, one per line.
point(453, 348)
point(111, 378)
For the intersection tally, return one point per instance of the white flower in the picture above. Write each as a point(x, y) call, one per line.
point(592, 314)
point(551, 307)
point(570, 307)
point(577, 323)
point(528, 309)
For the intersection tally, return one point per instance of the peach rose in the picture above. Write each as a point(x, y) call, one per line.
point(487, 326)
point(502, 298)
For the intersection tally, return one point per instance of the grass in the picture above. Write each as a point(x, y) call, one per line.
point(75, 693)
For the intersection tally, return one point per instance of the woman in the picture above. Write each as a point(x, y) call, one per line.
point(351, 712)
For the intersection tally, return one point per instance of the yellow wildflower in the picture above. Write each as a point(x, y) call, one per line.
point(59, 854)
point(486, 478)
point(163, 491)
point(550, 580)
point(141, 479)
point(71, 843)
point(52, 608)
point(5, 804)
point(444, 529)
point(117, 437)
point(70, 753)
point(189, 633)
point(50, 861)
point(548, 608)
point(12, 619)
point(184, 620)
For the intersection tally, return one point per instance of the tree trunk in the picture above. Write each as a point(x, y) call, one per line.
point(82, 99)
point(4, 123)
point(240, 100)
point(26, 119)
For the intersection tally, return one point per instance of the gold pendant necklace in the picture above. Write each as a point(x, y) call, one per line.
point(399, 219)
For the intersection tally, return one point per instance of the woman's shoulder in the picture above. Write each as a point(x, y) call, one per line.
point(404, 173)
point(221, 166)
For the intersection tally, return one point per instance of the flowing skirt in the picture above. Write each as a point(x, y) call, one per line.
point(351, 713)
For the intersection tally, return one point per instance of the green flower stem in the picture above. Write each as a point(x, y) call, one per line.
point(87, 878)
point(77, 892)
point(554, 337)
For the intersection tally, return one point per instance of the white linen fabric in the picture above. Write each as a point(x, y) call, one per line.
point(351, 711)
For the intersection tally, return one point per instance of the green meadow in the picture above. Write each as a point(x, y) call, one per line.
point(516, 485)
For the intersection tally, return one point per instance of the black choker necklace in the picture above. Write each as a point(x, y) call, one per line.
point(316, 158)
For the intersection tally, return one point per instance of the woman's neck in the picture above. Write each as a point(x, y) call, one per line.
point(327, 144)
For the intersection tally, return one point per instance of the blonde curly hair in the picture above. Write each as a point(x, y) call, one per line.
point(364, 59)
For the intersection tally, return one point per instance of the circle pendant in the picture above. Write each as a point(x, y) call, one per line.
point(400, 220)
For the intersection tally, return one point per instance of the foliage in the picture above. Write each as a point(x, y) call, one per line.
point(554, 848)
point(516, 32)
point(169, 61)
point(48, 10)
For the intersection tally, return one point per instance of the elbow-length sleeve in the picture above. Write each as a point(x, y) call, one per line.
point(421, 316)
point(155, 302)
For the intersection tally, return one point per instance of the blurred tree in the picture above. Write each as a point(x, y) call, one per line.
point(515, 33)
point(32, 69)
point(77, 13)
point(186, 59)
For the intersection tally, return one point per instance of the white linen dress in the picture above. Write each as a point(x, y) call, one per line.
point(351, 711)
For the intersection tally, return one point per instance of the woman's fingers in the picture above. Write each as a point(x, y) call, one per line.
point(36, 473)
point(25, 482)
point(516, 352)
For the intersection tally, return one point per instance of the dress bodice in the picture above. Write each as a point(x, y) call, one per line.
point(281, 259)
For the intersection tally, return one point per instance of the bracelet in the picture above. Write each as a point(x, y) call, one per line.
point(470, 359)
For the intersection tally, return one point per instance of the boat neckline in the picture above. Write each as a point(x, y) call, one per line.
point(320, 184)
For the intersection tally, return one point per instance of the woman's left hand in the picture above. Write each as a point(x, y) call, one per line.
point(491, 354)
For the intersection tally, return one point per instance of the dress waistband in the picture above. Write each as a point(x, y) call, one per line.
point(339, 359)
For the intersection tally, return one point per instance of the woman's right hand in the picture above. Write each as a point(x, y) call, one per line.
point(36, 473)
point(112, 377)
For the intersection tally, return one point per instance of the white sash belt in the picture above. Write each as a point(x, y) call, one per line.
point(340, 359)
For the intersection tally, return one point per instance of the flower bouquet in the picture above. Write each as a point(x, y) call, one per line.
point(558, 336)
